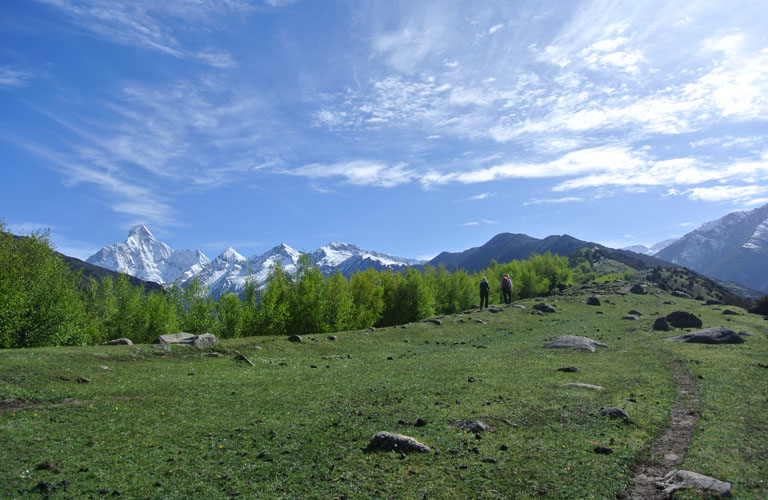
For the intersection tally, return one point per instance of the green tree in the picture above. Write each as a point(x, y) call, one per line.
point(306, 302)
point(39, 302)
point(197, 306)
point(367, 298)
point(251, 310)
point(275, 311)
point(229, 313)
point(158, 317)
point(337, 303)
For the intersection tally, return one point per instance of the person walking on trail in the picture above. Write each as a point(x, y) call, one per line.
point(506, 289)
point(485, 290)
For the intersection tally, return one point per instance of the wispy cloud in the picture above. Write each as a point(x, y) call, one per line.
point(548, 201)
point(358, 173)
point(155, 26)
point(481, 196)
point(12, 78)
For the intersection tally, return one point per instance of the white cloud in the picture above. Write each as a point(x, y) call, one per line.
point(481, 196)
point(726, 193)
point(358, 173)
point(493, 29)
point(548, 201)
point(10, 77)
point(152, 25)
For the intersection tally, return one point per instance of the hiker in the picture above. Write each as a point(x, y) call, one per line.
point(485, 290)
point(506, 289)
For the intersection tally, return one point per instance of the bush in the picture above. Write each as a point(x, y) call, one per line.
point(760, 306)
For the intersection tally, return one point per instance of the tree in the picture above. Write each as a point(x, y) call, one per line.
point(229, 313)
point(337, 303)
point(39, 303)
point(275, 313)
point(197, 306)
point(367, 298)
point(306, 305)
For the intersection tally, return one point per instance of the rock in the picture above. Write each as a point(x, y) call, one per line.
point(668, 303)
point(420, 422)
point(472, 426)
point(635, 312)
point(583, 386)
point(715, 335)
point(494, 309)
point(630, 317)
point(712, 302)
point(481, 322)
point(661, 324)
point(574, 342)
point(613, 412)
point(518, 306)
point(568, 369)
point(206, 340)
point(83, 380)
point(436, 321)
point(639, 289)
point(746, 334)
point(387, 441)
point(120, 341)
point(683, 319)
point(593, 301)
point(729, 312)
point(333, 338)
point(681, 294)
point(603, 450)
point(182, 338)
point(242, 357)
point(544, 307)
point(679, 479)
point(295, 338)
point(161, 347)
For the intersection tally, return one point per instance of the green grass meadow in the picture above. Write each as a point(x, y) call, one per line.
point(200, 424)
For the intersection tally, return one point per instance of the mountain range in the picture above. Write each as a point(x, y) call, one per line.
point(733, 248)
point(145, 257)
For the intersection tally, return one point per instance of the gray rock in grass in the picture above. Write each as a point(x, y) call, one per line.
point(715, 335)
point(681, 479)
point(120, 341)
point(683, 319)
point(388, 441)
point(574, 342)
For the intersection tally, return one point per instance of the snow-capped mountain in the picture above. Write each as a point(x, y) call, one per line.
point(732, 248)
point(350, 259)
point(143, 256)
point(650, 250)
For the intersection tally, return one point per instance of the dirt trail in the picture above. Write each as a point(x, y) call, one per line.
point(671, 447)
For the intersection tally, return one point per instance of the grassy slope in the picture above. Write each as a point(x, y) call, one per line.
point(190, 425)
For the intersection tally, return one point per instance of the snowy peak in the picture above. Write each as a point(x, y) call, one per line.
point(143, 256)
point(650, 250)
point(230, 255)
point(732, 248)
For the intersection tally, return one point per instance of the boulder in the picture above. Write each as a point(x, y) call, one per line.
point(295, 338)
point(182, 338)
point(635, 312)
point(661, 324)
point(593, 301)
point(568, 369)
point(574, 342)
point(495, 309)
point(613, 412)
point(639, 289)
point(729, 312)
point(630, 317)
point(681, 479)
point(544, 307)
point(712, 302)
point(715, 335)
point(683, 319)
point(434, 320)
point(681, 294)
point(120, 341)
point(387, 441)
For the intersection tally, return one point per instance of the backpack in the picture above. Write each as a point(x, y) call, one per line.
point(506, 284)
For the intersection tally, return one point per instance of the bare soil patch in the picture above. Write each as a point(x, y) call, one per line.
point(671, 447)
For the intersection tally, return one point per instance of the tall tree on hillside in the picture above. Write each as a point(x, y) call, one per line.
point(367, 298)
point(39, 303)
point(275, 311)
point(337, 303)
point(229, 315)
point(306, 301)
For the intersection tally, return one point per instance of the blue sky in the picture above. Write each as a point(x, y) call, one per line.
point(405, 127)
